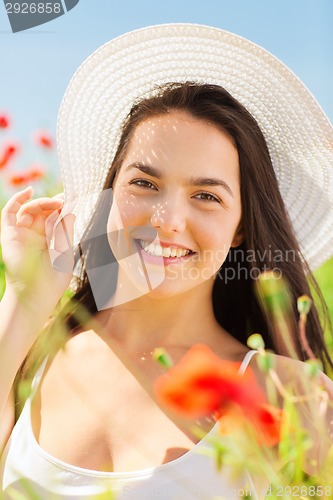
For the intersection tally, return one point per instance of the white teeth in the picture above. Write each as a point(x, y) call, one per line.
point(159, 251)
point(150, 248)
point(166, 252)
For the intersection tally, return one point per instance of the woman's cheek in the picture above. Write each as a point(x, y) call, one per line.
point(126, 214)
point(126, 210)
point(215, 245)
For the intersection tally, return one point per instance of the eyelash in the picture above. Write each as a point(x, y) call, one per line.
point(143, 183)
point(210, 197)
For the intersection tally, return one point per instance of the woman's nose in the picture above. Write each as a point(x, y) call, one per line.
point(169, 218)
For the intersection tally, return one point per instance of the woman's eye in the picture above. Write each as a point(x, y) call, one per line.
point(207, 197)
point(143, 183)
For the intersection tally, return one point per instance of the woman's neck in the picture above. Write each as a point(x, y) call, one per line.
point(175, 321)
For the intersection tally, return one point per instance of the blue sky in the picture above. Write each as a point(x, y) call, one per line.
point(37, 64)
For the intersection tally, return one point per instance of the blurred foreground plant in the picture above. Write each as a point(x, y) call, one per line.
point(254, 431)
point(263, 432)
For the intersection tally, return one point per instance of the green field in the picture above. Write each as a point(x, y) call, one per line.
point(324, 277)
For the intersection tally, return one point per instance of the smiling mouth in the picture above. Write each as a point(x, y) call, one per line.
point(158, 251)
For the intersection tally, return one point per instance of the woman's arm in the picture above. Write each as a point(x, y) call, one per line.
point(21, 321)
point(7, 421)
point(33, 285)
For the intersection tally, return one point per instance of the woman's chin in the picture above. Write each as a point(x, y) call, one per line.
point(165, 289)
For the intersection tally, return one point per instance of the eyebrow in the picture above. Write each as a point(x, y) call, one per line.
point(192, 181)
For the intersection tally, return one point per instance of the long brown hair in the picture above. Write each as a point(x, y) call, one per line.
point(265, 221)
point(269, 237)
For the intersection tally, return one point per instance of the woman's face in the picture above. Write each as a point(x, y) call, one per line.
point(176, 204)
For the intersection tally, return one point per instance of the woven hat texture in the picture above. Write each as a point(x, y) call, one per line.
point(104, 88)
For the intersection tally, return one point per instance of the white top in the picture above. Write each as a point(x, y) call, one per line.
point(27, 468)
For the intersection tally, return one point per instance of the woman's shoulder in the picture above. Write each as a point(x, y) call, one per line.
point(81, 348)
point(286, 365)
point(82, 338)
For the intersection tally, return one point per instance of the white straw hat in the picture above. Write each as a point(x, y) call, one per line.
point(104, 88)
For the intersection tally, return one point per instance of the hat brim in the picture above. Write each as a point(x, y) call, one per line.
point(298, 134)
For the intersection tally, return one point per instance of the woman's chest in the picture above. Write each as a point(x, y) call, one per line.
point(104, 420)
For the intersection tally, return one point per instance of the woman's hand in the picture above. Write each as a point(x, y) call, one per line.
point(36, 246)
point(34, 243)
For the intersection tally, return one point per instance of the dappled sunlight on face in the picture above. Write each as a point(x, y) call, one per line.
point(176, 204)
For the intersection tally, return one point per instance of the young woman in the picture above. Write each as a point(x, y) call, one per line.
point(178, 209)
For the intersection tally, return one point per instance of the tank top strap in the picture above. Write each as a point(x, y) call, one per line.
point(246, 361)
point(37, 377)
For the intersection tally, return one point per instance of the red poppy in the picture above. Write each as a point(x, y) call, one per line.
point(44, 139)
point(18, 179)
point(4, 121)
point(265, 420)
point(202, 384)
point(268, 423)
point(7, 154)
point(33, 174)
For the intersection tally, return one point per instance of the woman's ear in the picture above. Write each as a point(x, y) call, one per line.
point(239, 236)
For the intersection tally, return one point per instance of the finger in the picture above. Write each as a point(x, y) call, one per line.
point(35, 221)
point(10, 210)
point(37, 211)
point(61, 244)
point(37, 224)
point(64, 232)
point(59, 195)
point(50, 224)
point(40, 205)
point(25, 220)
